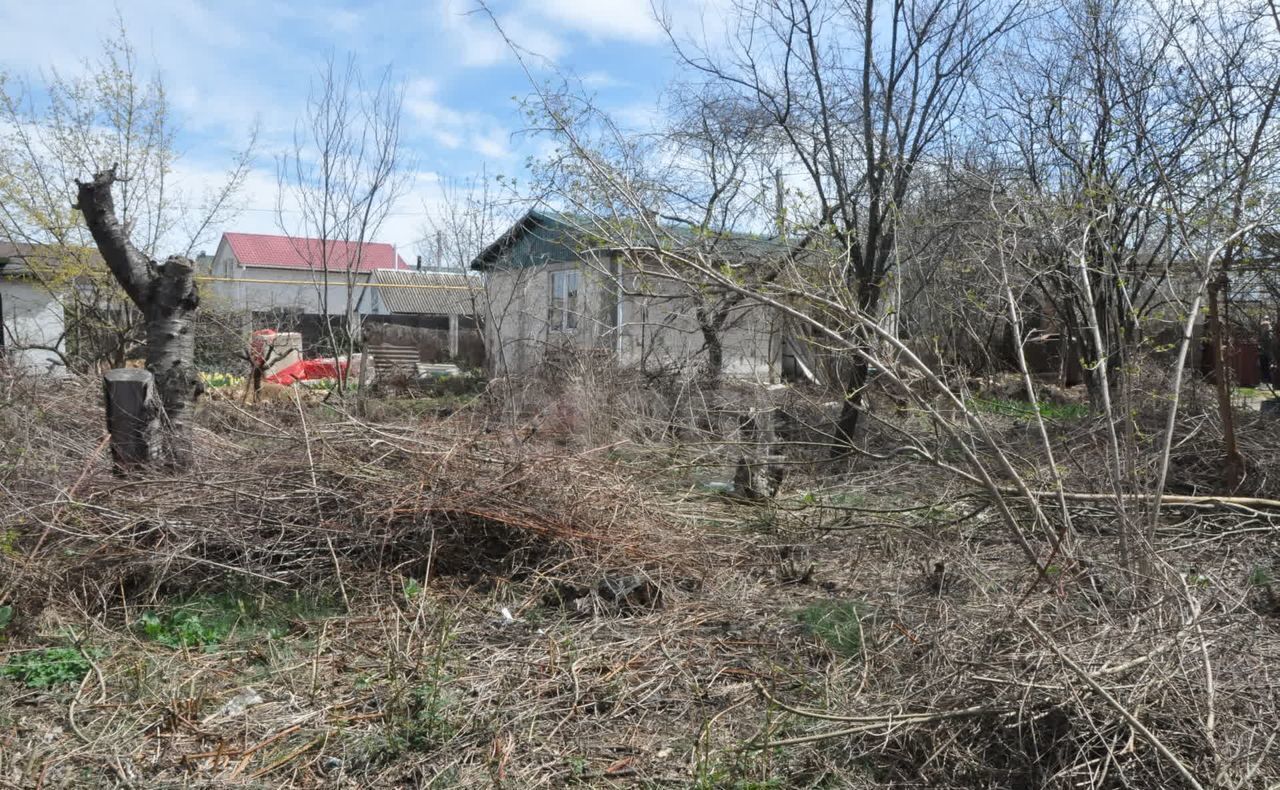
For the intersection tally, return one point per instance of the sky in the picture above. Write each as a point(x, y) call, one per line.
point(230, 64)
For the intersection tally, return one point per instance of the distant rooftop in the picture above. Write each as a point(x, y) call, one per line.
point(296, 252)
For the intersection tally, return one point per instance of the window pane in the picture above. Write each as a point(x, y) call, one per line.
point(556, 311)
point(571, 300)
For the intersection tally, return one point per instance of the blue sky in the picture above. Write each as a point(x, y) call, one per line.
point(230, 63)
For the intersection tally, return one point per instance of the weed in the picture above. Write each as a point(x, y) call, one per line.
point(424, 717)
point(1013, 408)
point(578, 768)
point(209, 620)
point(412, 589)
point(53, 666)
point(838, 623)
point(848, 499)
point(182, 629)
point(736, 773)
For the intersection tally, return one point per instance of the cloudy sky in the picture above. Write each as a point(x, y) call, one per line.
point(228, 64)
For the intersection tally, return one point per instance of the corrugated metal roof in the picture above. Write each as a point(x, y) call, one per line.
point(433, 293)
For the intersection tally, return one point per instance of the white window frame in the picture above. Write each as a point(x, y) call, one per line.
point(565, 310)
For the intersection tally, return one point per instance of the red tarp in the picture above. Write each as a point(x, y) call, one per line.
point(308, 370)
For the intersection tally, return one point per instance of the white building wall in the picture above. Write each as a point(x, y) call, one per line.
point(303, 290)
point(31, 316)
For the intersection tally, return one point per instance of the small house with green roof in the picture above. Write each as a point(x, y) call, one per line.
point(558, 285)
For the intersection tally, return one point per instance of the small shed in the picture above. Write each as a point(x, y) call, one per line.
point(413, 311)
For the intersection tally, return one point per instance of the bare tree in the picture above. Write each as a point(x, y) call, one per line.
point(856, 97)
point(345, 173)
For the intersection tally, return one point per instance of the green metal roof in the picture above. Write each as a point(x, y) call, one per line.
point(541, 237)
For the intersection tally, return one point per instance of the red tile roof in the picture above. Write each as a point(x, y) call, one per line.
point(286, 252)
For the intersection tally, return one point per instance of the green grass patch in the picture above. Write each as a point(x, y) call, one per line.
point(212, 619)
point(838, 623)
point(53, 666)
point(1022, 410)
point(1261, 576)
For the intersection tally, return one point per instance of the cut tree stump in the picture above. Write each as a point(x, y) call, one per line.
point(133, 416)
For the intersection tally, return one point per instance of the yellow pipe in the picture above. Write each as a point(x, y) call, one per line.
point(338, 284)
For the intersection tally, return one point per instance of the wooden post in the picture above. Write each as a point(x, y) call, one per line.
point(133, 416)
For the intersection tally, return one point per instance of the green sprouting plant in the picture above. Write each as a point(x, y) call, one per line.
point(182, 629)
point(216, 380)
point(838, 623)
point(1013, 408)
point(411, 588)
point(50, 667)
point(210, 619)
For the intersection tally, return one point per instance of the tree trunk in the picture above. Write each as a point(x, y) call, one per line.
point(715, 357)
point(855, 383)
point(851, 410)
point(711, 327)
point(170, 350)
point(1233, 462)
point(167, 297)
point(133, 417)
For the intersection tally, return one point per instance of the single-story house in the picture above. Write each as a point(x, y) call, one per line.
point(295, 284)
point(32, 321)
point(553, 285)
point(262, 273)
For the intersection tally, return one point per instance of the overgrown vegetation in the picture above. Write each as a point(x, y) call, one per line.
point(443, 605)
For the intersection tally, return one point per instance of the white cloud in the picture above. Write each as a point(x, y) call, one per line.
point(600, 79)
point(480, 44)
point(452, 128)
point(630, 20)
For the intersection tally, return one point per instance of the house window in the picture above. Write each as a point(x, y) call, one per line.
point(565, 286)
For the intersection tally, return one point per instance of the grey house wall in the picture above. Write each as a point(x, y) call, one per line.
point(643, 320)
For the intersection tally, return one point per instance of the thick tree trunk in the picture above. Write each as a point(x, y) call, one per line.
point(133, 417)
point(167, 297)
point(170, 351)
point(851, 410)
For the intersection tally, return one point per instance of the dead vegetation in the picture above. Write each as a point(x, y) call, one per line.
point(477, 601)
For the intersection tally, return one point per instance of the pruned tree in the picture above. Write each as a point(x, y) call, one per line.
point(166, 296)
point(67, 127)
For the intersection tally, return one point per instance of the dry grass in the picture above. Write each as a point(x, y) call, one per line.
point(349, 580)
